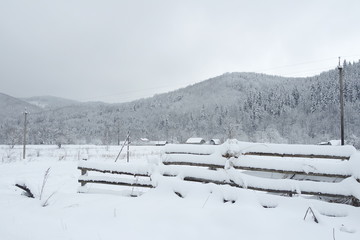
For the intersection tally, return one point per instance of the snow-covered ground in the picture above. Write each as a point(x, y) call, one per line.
point(108, 212)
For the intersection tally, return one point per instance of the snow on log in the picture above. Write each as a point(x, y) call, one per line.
point(303, 166)
point(297, 155)
point(123, 168)
point(347, 188)
point(235, 148)
point(190, 149)
point(115, 181)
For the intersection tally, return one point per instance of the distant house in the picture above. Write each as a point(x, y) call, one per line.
point(147, 142)
point(159, 143)
point(215, 142)
point(195, 141)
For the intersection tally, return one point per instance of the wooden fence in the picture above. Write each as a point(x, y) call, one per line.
point(328, 176)
point(87, 167)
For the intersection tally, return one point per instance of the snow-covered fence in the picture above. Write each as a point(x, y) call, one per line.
point(331, 173)
point(116, 169)
point(319, 167)
point(256, 166)
point(234, 148)
point(345, 189)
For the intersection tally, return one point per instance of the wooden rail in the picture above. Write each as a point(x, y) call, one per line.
point(189, 153)
point(85, 169)
point(84, 178)
point(122, 182)
point(267, 154)
point(262, 169)
point(290, 192)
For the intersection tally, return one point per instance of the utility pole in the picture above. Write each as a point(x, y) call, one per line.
point(24, 142)
point(127, 141)
point(341, 102)
point(118, 131)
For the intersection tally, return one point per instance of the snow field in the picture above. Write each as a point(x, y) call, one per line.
point(106, 212)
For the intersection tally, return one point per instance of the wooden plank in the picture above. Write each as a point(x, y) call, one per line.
point(317, 174)
point(135, 184)
point(249, 168)
point(272, 190)
point(208, 165)
point(189, 153)
point(113, 172)
point(272, 155)
point(297, 155)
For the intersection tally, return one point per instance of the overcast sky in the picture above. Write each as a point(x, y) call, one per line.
point(116, 51)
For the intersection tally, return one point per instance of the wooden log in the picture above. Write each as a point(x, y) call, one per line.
point(28, 192)
point(135, 184)
point(285, 191)
point(189, 153)
point(113, 172)
point(250, 168)
point(317, 174)
point(208, 165)
point(297, 155)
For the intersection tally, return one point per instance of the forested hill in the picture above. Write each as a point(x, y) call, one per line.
point(247, 106)
point(11, 107)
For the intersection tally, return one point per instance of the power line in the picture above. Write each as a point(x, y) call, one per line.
point(295, 64)
point(306, 63)
point(317, 70)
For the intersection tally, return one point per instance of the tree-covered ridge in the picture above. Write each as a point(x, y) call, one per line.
point(247, 106)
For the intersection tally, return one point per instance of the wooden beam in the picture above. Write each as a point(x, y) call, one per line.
point(297, 155)
point(189, 153)
point(250, 168)
point(316, 174)
point(113, 172)
point(272, 155)
point(272, 190)
point(116, 183)
point(208, 165)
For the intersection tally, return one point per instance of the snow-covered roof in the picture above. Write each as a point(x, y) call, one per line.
point(195, 141)
point(158, 143)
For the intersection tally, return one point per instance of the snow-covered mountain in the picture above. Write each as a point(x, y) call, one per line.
point(13, 107)
point(48, 102)
point(248, 106)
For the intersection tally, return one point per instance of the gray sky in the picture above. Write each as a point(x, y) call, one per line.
point(116, 51)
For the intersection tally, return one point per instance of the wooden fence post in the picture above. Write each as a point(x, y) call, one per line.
point(83, 173)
